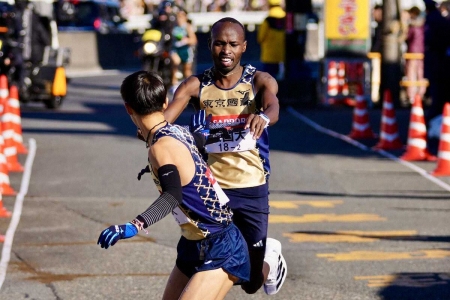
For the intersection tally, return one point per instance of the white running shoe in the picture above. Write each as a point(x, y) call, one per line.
point(278, 268)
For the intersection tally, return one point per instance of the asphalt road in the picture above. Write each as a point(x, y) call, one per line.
point(354, 223)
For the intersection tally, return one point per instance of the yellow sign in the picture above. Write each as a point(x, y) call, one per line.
point(347, 19)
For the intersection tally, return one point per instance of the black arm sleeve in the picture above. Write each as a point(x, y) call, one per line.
point(171, 196)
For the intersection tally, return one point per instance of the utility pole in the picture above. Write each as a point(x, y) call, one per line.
point(296, 78)
point(391, 74)
point(296, 34)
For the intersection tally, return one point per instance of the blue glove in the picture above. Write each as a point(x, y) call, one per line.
point(200, 123)
point(113, 233)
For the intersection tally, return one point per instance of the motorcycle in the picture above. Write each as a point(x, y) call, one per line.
point(46, 82)
point(155, 55)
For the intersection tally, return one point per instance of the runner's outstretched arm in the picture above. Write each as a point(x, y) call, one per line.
point(187, 89)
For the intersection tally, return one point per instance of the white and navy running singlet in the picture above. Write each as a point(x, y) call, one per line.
point(203, 210)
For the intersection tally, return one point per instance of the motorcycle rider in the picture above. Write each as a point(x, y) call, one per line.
point(32, 36)
point(165, 22)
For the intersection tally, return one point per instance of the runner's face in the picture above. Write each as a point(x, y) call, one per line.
point(227, 46)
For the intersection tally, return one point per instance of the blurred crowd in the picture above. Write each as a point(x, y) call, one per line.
point(139, 7)
point(425, 43)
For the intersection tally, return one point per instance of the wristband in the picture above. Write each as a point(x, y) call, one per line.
point(139, 225)
point(265, 118)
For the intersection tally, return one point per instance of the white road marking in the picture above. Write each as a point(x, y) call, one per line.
point(363, 147)
point(7, 245)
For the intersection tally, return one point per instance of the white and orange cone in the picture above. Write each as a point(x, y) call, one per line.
point(14, 117)
point(361, 123)
point(333, 84)
point(9, 148)
point(443, 163)
point(5, 185)
point(416, 149)
point(4, 213)
point(389, 137)
point(3, 88)
point(341, 76)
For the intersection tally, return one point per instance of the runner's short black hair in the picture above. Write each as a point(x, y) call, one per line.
point(144, 92)
point(231, 20)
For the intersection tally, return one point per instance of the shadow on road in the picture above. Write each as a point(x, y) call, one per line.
point(407, 286)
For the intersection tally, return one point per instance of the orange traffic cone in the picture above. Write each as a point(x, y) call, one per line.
point(348, 100)
point(345, 90)
point(4, 213)
point(389, 138)
point(5, 186)
point(417, 136)
point(443, 164)
point(361, 124)
point(333, 85)
point(3, 88)
point(341, 76)
point(16, 120)
point(9, 148)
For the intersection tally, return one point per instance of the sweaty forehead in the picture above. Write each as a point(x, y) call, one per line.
point(227, 30)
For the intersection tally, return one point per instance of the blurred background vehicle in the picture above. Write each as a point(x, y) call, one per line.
point(6, 41)
point(155, 55)
point(30, 55)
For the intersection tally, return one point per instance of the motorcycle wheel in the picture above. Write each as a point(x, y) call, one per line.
point(54, 102)
point(150, 64)
point(165, 71)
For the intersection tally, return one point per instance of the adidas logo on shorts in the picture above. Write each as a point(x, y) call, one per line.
point(258, 244)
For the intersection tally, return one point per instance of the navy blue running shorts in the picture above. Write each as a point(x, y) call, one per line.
point(225, 249)
point(250, 208)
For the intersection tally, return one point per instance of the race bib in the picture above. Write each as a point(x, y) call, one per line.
point(235, 140)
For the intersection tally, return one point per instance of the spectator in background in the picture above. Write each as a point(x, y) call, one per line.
point(184, 41)
point(415, 44)
point(437, 41)
point(444, 7)
point(271, 37)
point(218, 6)
point(165, 20)
point(130, 8)
point(377, 37)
